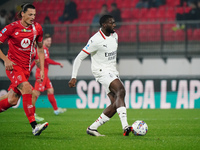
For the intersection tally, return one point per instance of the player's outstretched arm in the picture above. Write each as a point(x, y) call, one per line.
point(52, 62)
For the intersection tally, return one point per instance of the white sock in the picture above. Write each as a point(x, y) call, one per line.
point(100, 121)
point(122, 115)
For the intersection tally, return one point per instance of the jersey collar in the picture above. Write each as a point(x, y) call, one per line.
point(22, 25)
point(102, 34)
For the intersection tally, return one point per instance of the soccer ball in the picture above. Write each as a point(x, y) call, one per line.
point(139, 127)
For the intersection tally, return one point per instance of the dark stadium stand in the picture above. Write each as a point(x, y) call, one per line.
point(88, 8)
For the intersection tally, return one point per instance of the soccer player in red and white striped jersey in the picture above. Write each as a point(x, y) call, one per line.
point(46, 83)
point(21, 36)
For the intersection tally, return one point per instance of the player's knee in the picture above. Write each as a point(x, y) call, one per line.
point(35, 93)
point(50, 91)
point(121, 92)
point(26, 88)
point(13, 100)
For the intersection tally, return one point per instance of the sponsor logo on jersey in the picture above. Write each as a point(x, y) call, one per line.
point(111, 55)
point(4, 30)
point(24, 30)
point(25, 42)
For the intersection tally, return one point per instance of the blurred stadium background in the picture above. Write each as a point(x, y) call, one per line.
point(148, 47)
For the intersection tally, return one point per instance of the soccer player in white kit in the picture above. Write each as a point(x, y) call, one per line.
point(102, 47)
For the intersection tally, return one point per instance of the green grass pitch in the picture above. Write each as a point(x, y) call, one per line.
point(171, 129)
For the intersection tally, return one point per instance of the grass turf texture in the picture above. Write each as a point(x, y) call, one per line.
point(168, 129)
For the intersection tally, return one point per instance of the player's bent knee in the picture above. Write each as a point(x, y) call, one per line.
point(13, 100)
point(25, 88)
point(50, 91)
point(121, 92)
point(36, 93)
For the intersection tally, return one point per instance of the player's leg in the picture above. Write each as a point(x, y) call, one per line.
point(103, 118)
point(52, 100)
point(39, 87)
point(111, 109)
point(19, 83)
point(8, 100)
point(26, 89)
point(35, 95)
point(4, 97)
point(106, 115)
point(118, 89)
point(51, 97)
point(105, 78)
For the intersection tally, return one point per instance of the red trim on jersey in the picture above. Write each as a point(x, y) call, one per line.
point(86, 52)
point(102, 34)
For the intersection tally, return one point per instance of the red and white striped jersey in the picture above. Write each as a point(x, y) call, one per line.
point(21, 42)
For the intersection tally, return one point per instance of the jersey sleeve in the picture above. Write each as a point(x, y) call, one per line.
point(52, 62)
point(39, 37)
point(5, 33)
point(77, 62)
point(91, 46)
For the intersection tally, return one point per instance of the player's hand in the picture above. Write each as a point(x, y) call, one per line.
point(61, 65)
point(72, 83)
point(41, 75)
point(8, 64)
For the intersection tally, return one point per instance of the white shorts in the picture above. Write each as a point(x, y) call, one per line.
point(106, 78)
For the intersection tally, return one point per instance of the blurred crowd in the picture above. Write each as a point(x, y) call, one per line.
point(192, 15)
point(6, 17)
point(70, 13)
point(115, 12)
point(150, 3)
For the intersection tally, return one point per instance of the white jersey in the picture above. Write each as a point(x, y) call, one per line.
point(103, 51)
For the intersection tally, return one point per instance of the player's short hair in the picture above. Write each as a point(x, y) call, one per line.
point(104, 18)
point(46, 36)
point(24, 8)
